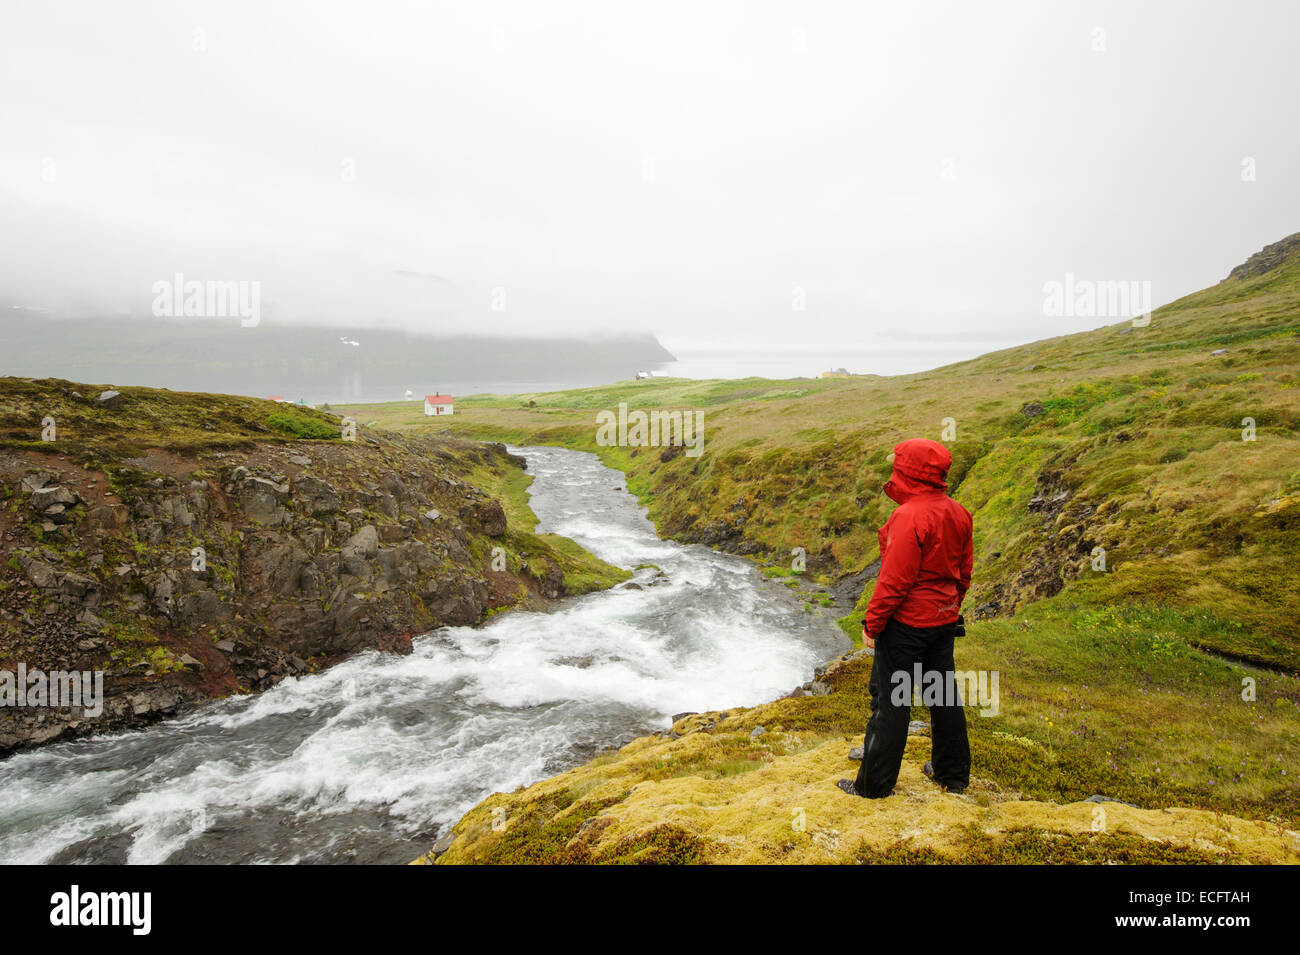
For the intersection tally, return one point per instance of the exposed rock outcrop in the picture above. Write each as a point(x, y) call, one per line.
point(183, 578)
point(1267, 258)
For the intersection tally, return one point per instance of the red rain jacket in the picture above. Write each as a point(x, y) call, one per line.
point(926, 547)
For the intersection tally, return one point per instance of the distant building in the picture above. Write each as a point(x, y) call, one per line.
point(836, 373)
point(642, 374)
point(438, 404)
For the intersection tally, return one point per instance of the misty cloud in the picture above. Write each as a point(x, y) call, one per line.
point(691, 170)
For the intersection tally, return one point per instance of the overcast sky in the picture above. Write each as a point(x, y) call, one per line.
point(906, 172)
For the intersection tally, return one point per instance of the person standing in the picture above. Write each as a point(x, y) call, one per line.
point(926, 557)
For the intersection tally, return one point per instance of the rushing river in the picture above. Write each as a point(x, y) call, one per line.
point(370, 760)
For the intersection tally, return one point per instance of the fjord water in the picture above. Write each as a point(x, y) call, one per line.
point(370, 760)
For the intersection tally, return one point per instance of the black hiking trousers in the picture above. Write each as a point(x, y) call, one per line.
point(898, 649)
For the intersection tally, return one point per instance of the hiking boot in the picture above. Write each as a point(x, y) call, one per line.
point(855, 754)
point(849, 786)
point(928, 769)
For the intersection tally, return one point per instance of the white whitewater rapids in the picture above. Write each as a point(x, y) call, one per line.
point(370, 760)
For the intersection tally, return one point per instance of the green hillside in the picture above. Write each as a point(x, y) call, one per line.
point(1166, 679)
point(1128, 439)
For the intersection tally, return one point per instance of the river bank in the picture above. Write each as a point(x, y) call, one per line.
point(384, 752)
point(182, 547)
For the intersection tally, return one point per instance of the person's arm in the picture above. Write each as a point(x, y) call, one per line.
point(899, 565)
point(967, 565)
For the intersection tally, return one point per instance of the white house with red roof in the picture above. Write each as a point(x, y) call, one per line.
point(438, 404)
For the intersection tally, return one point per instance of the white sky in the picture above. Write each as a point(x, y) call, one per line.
point(677, 168)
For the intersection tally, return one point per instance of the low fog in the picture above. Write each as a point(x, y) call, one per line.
point(761, 176)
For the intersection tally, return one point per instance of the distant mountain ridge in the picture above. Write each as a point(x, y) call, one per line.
point(317, 363)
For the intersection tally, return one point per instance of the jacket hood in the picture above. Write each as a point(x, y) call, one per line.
point(920, 467)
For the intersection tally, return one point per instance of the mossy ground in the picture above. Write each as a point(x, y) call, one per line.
point(150, 418)
point(788, 809)
point(1104, 702)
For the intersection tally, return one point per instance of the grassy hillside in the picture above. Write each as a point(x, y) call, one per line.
point(1128, 439)
point(1165, 677)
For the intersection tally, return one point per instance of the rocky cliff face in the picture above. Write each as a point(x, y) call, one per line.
point(185, 576)
point(1268, 258)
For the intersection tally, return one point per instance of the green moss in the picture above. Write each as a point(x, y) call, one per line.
point(182, 422)
point(541, 834)
point(301, 426)
point(663, 845)
point(548, 833)
point(1028, 846)
point(131, 641)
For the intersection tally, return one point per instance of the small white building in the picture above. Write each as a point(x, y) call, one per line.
point(438, 404)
